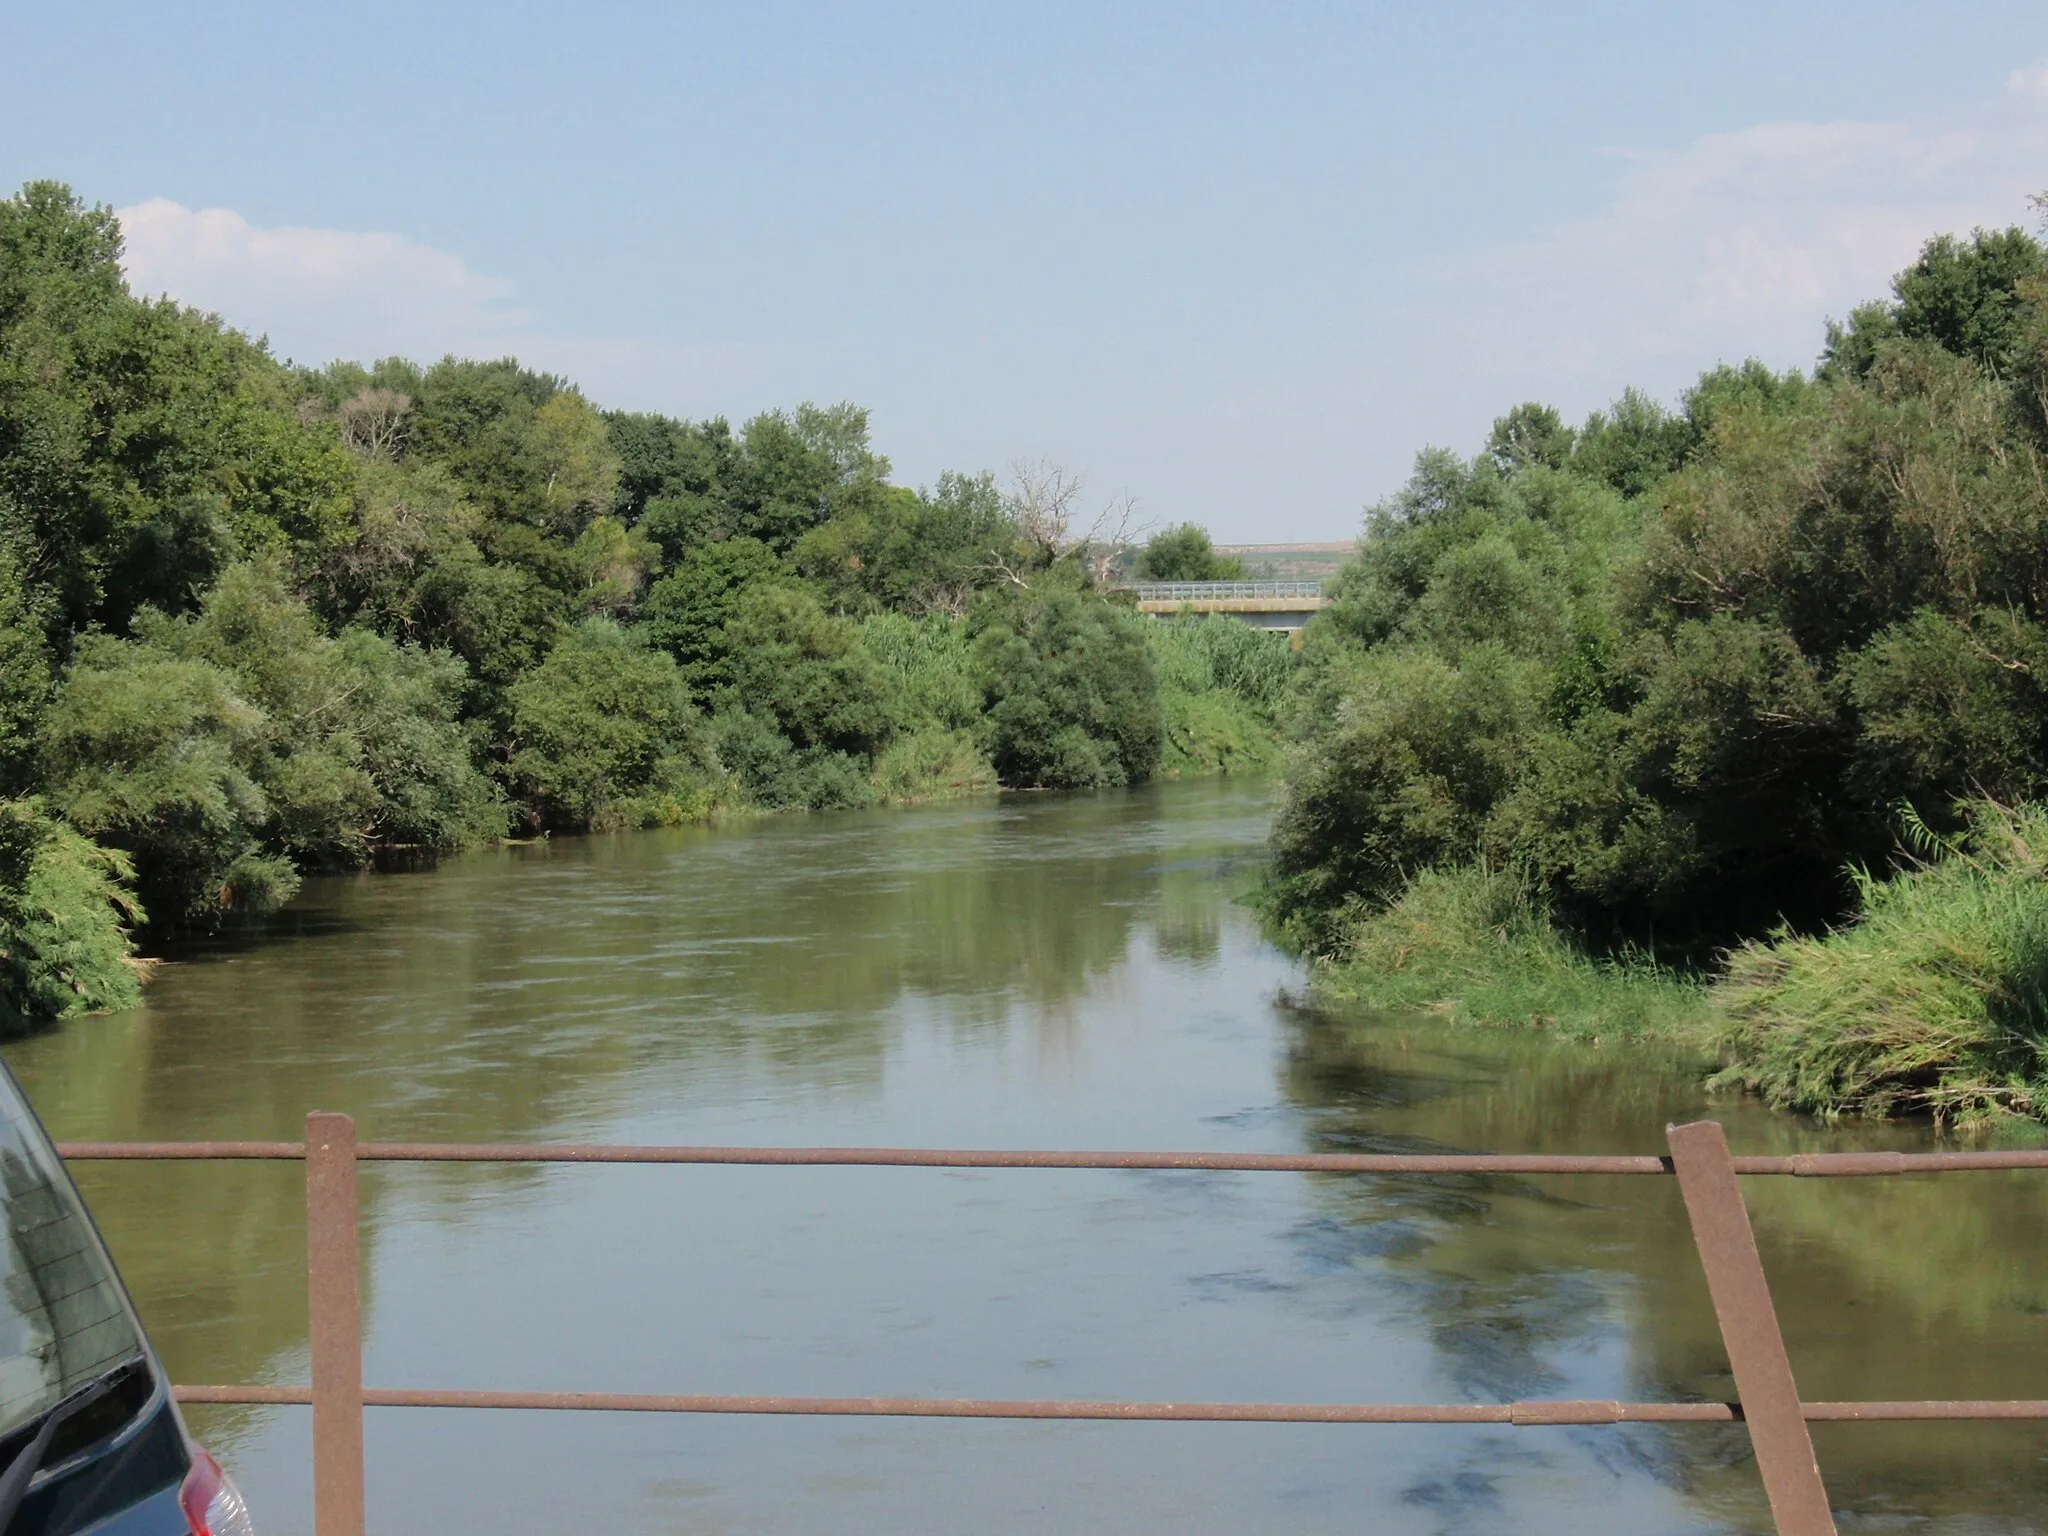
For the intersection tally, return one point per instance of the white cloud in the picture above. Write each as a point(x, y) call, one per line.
point(1742, 243)
point(318, 293)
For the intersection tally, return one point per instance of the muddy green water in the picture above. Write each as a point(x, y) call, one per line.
point(1040, 972)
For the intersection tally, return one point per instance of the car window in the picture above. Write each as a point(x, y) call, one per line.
point(63, 1321)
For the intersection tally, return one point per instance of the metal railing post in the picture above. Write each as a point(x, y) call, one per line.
point(1749, 1330)
point(335, 1332)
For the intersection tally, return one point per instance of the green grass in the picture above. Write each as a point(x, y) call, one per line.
point(1934, 1000)
point(1474, 946)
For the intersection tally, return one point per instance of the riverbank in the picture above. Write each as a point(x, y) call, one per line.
point(1932, 1000)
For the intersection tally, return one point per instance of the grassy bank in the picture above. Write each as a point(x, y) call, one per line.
point(1472, 945)
point(1932, 1000)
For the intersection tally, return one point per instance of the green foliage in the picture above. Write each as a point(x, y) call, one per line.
point(932, 764)
point(1185, 553)
point(1968, 297)
point(1531, 434)
point(225, 749)
point(604, 736)
point(1811, 600)
point(927, 553)
point(1476, 946)
point(928, 667)
point(1069, 689)
point(776, 774)
point(1405, 777)
point(687, 611)
point(803, 668)
point(24, 677)
point(65, 909)
point(141, 445)
point(1934, 1000)
point(1666, 678)
point(1221, 685)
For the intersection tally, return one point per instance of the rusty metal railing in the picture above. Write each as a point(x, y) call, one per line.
point(1767, 1401)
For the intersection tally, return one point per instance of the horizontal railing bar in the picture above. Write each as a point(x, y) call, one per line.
point(1803, 1164)
point(180, 1151)
point(1568, 1411)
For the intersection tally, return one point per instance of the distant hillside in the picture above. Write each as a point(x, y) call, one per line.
point(1290, 562)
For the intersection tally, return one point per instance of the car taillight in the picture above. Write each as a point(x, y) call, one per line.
point(213, 1504)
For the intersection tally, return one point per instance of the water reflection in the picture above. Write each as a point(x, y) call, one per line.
point(1895, 1287)
point(1054, 972)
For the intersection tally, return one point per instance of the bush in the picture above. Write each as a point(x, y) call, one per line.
point(604, 736)
point(1934, 999)
point(228, 749)
point(687, 611)
point(799, 666)
point(1069, 690)
point(65, 909)
point(1403, 778)
point(1185, 553)
point(776, 774)
point(1221, 683)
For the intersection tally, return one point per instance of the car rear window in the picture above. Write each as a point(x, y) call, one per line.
point(63, 1320)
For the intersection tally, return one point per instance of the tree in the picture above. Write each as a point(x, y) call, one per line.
point(228, 749)
point(1185, 554)
point(1068, 687)
point(687, 611)
point(65, 910)
point(1529, 434)
point(142, 446)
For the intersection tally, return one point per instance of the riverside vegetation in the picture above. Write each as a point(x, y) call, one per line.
point(257, 620)
point(1726, 722)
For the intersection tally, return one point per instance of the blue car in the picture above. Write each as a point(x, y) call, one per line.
point(90, 1440)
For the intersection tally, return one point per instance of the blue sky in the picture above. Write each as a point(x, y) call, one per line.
point(1237, 262)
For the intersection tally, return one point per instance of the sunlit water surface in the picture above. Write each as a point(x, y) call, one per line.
point(1041, 973)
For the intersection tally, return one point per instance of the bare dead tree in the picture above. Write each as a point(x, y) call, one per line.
point(1115, 529)
point(373, 422)
point(1045, 504)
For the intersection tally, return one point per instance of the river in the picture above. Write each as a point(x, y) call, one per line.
point(1044, 972)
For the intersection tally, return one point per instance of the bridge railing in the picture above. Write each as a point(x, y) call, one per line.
point(1210, 591)
point(1768, 1401)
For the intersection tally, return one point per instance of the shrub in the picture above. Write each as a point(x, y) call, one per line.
point(65, 909)
point(1404, 777)
point(803, 668)
point(604, 736)
point(1069, 690)
point(776, 774)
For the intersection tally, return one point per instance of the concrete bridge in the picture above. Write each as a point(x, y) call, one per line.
point(1282, 605)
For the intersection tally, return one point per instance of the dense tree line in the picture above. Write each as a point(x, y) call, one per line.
point(257, 620)
point(1682, 676)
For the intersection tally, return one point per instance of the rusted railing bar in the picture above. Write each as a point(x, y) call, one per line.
point(1771, 1405)
point(996, 1408)
point(1593, 1411)
point(180, 1151)
point(1934, 1408)
point(334, 1324)
point(1804, 1164)
point(972, 1157)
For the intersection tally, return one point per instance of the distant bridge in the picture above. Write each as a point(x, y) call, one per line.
point(1282, 605)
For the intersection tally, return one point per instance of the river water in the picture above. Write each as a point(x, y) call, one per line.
point(1042, 972)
